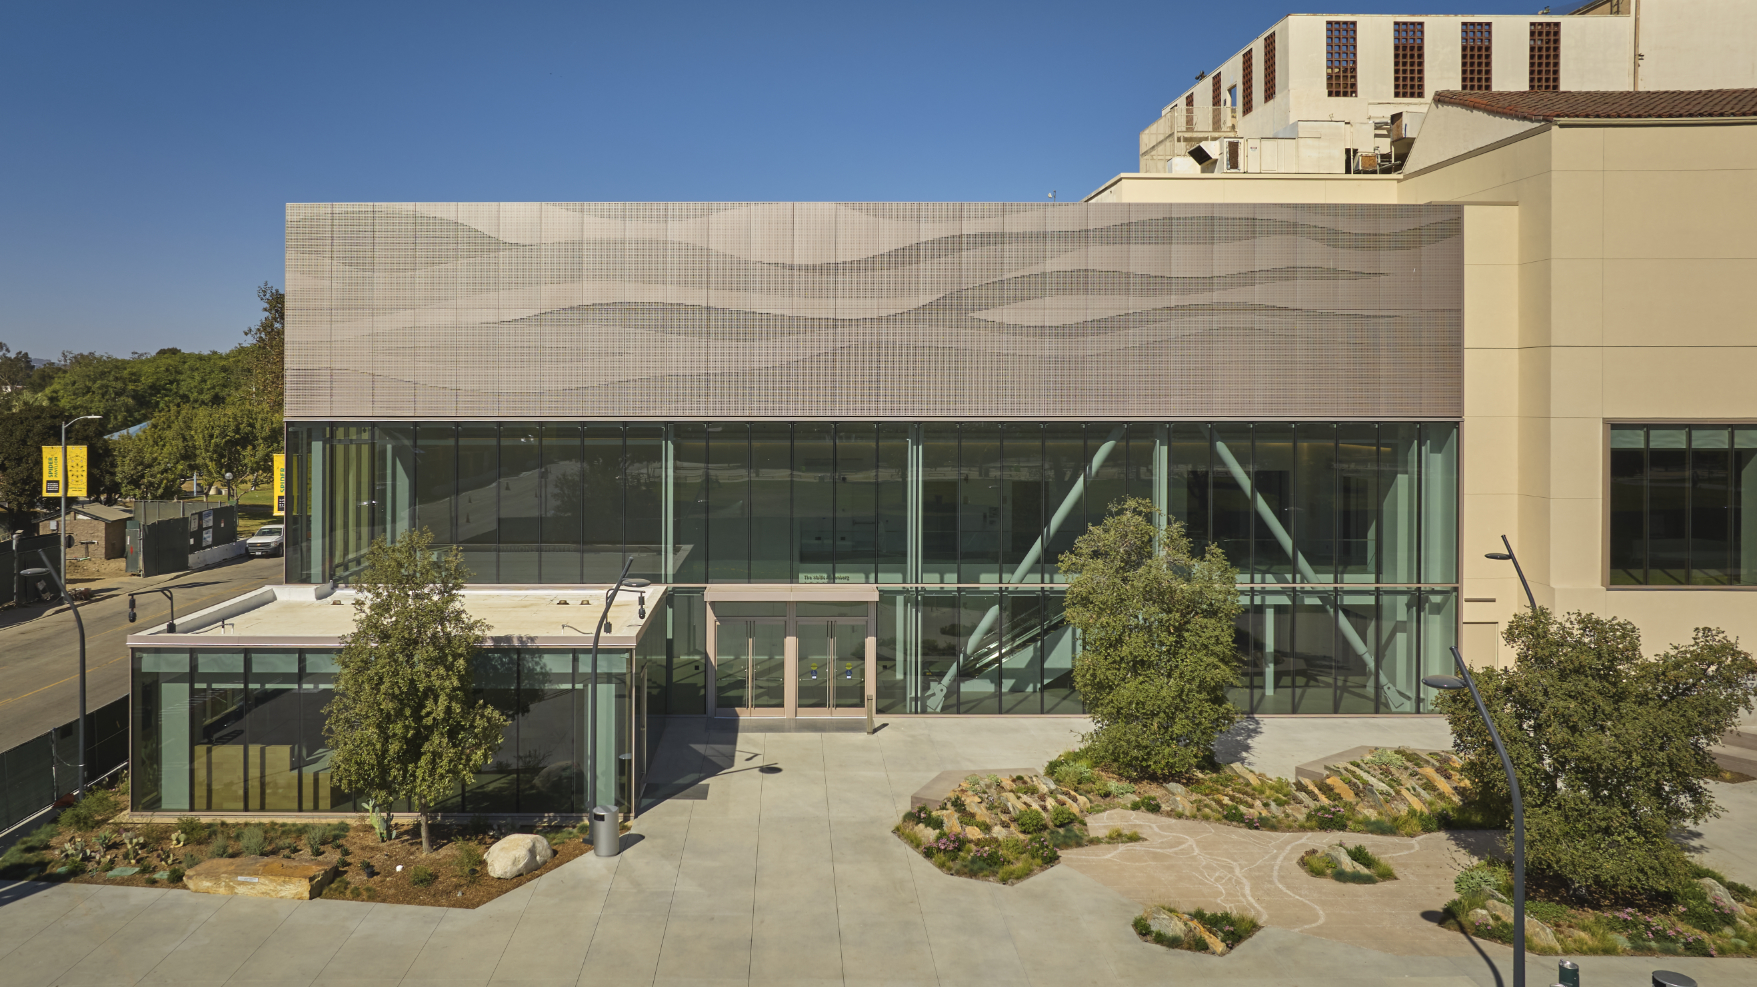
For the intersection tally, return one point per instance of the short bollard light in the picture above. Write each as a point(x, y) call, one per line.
point(606, 835)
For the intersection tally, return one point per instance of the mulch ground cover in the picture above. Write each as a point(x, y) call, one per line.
point(89, 845)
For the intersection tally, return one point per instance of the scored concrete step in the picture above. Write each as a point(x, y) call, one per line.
point(261, 877)
point(1739, 759)
point(1736, 738)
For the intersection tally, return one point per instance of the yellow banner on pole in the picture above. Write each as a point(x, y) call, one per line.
point(52, 471)
point(280, 483)
point(76, 471)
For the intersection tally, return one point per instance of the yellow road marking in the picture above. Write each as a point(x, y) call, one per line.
point(124, 632)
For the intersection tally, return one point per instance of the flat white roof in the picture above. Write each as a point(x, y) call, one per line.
point(318, 616)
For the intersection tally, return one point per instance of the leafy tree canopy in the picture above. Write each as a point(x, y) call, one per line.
point(1157, 651)
point(1611, 747)
point(406, 721)
point(23, 433)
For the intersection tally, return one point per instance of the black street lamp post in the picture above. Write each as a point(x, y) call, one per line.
point(1508, 556)
point(1449, 682)
point(78, 622)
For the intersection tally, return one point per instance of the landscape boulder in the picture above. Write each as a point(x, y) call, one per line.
point(1168, 923)
point(1720, 897)
point(520, 853)
point(260, 877)
point(1338, 855)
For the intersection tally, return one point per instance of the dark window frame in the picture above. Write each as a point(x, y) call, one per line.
point(1408, 60)
point(1544, 64)
point(1476, 56)
point(1341, 58)
point(1268, 66)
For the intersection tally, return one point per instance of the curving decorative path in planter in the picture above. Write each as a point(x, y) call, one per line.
point(1190, 863)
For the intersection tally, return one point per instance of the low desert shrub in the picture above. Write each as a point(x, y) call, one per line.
point(314, 836)
point(1378, 827)
point(190, 829)
point(1120, 836)
point(1030, 822)
point(1063, 816)
point(1352, 877)
point(175, 875)
point(467, 861)
point(1317, 864)
point(1364, 857)
point(1329, 816)
point(91, 811)
point(250, 842)
point(1230, 928)
point(220, 847)
point(1016, 871)
point(1145, 803)
point(421, 876)
point(1478, 881)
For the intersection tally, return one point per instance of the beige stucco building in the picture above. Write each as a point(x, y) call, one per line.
point(1610, 280)
point(1347, 93)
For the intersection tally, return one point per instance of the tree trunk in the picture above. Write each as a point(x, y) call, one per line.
point(426, 837)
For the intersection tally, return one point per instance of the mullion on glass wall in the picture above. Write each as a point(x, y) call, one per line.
point(857, 474)
point(980, 503)
point(1021, 485)
point(893, 482)
point(728, 502)
point(1066, 454)
point(643, 485)
point(518, 493)
point(562, 507)
point(771, 497)
point(814, 501)
point(478, 507)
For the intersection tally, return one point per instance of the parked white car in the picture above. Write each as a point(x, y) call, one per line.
point(270, 539)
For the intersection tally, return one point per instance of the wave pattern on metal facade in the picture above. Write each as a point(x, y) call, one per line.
point(873, 310)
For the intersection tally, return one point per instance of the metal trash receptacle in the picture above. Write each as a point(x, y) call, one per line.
point(606, 832)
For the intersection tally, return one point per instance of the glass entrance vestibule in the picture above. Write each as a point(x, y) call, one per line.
point(791, 651)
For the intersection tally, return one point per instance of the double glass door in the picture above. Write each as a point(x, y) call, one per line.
point(751, 670)
point(831, 667)
point(807, 666)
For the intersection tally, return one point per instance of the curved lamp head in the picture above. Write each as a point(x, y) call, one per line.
point(39, 571)
point(1443, 682)
point(1498, 556)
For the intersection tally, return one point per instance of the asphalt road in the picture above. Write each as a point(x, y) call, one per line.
point(39, 659)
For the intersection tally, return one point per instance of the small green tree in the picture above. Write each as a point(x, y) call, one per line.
point(406, 721)
point(1157, 652)
point(1611, 747)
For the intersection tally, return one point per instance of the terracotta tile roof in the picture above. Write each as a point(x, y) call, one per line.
point(1546, 106)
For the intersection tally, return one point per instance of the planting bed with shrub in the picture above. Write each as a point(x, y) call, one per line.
point(1709, 916)
point(1196, 930)
point(1347, 864)
point(1399, 792)
point(88, 845)
point(1001, 829)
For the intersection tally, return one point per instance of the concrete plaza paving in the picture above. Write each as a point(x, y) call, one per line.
point(785, 874)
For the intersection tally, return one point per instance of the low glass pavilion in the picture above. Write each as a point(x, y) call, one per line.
point(228, 712)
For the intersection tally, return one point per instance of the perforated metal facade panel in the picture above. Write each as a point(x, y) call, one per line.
point(905, 311)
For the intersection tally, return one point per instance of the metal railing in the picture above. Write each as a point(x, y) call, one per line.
point(1184, 125)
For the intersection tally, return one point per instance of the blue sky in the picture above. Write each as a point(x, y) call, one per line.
point(148, 149)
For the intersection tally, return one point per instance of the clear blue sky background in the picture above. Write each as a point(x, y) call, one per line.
point(149, 149)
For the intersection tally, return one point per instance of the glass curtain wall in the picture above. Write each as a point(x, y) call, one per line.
point(1350, 526)
point(242, 731)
